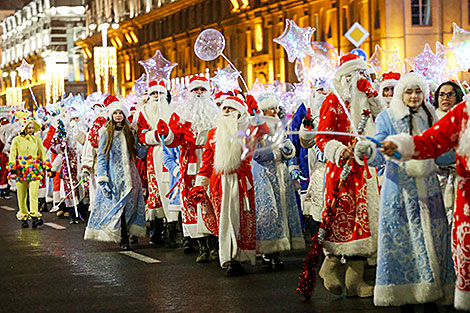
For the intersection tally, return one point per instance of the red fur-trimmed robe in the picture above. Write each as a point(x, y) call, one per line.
point(440, 138)
point(354, 229)
point(192, 145)
point(233, 202)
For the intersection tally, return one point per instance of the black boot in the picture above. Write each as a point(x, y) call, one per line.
point(188, 247)
point(36, 222)
point(203, 255)
point(156, 229)
point(235, 269)
point(83, 211)
point(124, 244)
point(213, 244)
point(42, 205)
point(169, 235)
point(24, 224)
point(276, 261)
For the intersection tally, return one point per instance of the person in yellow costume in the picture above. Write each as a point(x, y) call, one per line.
point(28, 166)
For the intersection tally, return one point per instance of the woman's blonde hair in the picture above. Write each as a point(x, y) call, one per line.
point(128, 134)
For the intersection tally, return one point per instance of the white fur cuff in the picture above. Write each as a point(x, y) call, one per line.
point(202, 180)
point(102, 178)
point(169, 138)
point(333, 150)
point(405, 144)
point(306, 134)
point(150, 138)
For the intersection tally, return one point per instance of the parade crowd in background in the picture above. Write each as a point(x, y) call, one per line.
point(235, 177)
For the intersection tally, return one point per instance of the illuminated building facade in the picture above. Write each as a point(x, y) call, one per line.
point(43, 33)
point(249, 27)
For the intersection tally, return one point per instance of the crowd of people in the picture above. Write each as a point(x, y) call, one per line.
point(160, 167)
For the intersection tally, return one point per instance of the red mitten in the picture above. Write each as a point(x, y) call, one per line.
point(364, 86)
point(162, 128)
point(252, 104)
point(196, 194)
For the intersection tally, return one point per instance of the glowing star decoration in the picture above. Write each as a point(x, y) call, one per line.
point(450, 59)
point(158, 68)
point(427, 64)
point(140, 85)
point(226, 79)
point(460, 42)
point(382, 61)
point(296, 41)
point(320, 66)
point(25, 71)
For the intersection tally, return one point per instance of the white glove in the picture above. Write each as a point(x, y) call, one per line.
point(85, 175)
point(367, 148)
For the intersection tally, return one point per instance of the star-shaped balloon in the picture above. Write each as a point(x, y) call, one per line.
point(427, 64)
point(320, 66)
point(459, 35)
point(226, 79)
point(25, 71)
point(140, 85)
point(158, 68)
point(383, 61)
point(296, 41)
point(449, 57)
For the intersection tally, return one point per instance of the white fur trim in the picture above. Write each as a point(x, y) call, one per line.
point(169, 138)
point(462, 300)
point(419, 168)
point(150, 138)
point(269, 102)
point(102, 178)
point(405, 145)
point(234, 104)
point(158, 88)
point(333, 150)
point(199, 83)
point(275, 245)
point(350, 66)
point(407, 294)
point(202, 180)
point(387, 83)
point(362, 247)
point(117, 105)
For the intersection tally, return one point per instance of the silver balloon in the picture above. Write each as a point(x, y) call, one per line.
point(209, 45)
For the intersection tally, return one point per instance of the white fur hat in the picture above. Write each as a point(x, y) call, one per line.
point(348, 64)
point(236, 103)
point(410, 80)
point(267, 101)
point(198, 81)
point(157, 86)
point(117, 105)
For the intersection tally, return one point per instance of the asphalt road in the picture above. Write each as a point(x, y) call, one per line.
point(55, 270)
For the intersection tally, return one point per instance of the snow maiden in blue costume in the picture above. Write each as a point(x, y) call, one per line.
point(119, 207)
point(277, 218)
point(414, 262)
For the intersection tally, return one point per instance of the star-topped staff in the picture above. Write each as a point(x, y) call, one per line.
point(226, 79)
point(297, 41)
point(158, 68)
point(427, 64)
point(25, 72)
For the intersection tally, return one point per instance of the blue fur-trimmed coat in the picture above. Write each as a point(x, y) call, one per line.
point(414, 262)
point(123, 178)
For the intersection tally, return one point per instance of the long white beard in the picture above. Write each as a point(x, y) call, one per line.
point(200, 110)
point(228, 148)
point(157, 109)
point(357, 100)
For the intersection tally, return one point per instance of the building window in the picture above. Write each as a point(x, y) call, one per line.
point(421, 12)
point(377, 17)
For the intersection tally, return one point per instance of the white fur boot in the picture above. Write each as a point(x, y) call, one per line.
point(331, 273)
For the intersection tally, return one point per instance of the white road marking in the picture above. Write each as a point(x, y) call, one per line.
point(141, 257)
point(7, 208)
point(54, 225)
